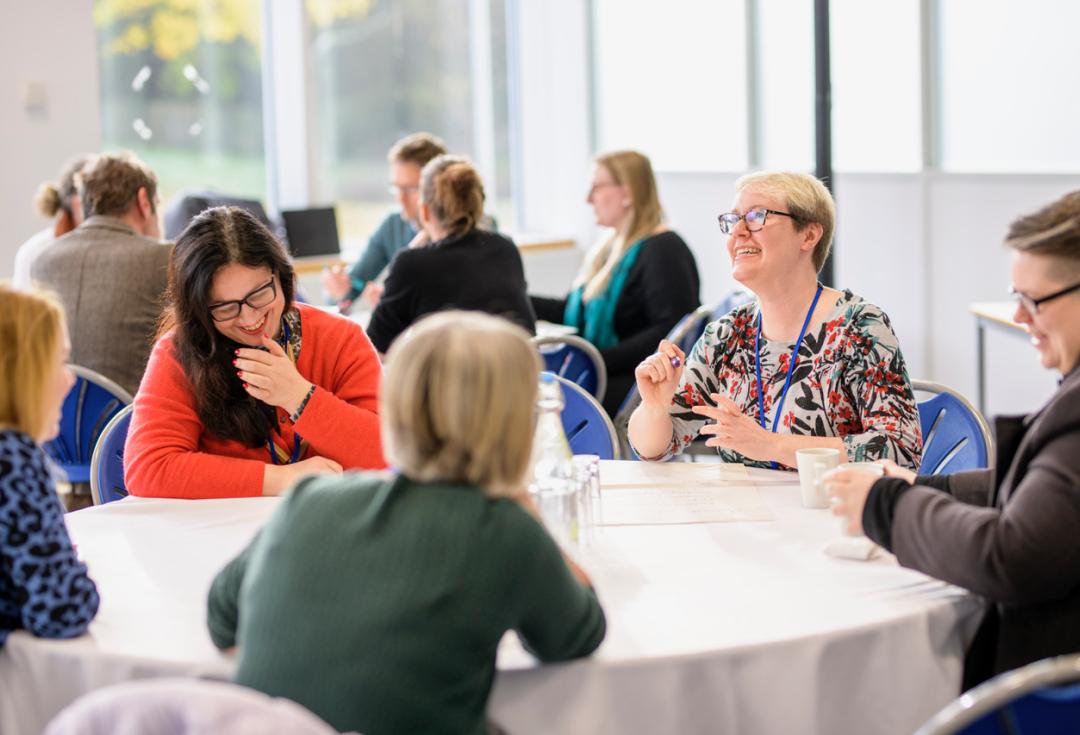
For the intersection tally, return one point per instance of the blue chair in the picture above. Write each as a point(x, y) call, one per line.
point(1042, 698)
point(588, 428)
point(576, 360)
point(89, 406)
point(107, 463)
point(955, 435)
point(732, 300)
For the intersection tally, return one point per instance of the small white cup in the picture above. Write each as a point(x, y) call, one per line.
point(868, 468)
point(813, 464)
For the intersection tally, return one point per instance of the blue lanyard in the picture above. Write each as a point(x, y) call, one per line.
point(790, 369)
point(295, 451)
point(296, 437)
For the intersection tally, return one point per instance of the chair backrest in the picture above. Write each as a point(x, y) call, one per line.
point(588, 428)
point(732, 300)
point(183, 707)
point(955, 435)
point(1042, 698)
point(89, 406)
point(107, 462)
point(576, 360)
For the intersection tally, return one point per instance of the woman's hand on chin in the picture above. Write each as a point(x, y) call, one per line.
point(271, 376)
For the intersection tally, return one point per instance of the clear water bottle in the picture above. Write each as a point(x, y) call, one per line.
point(553, 481)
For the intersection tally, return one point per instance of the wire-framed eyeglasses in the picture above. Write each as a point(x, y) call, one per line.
point(754, 218)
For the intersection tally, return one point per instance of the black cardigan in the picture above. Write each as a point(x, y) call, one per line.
point(478, 271)
point(661, 288)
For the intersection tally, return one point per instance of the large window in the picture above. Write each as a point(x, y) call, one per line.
point(180, 85)
point(1009, 79)
point(386, 68)
point(877, 101)
point(671, 81)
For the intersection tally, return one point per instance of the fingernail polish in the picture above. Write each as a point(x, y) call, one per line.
point(245, 385)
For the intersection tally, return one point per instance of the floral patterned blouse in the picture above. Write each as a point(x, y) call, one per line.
point(850, 381)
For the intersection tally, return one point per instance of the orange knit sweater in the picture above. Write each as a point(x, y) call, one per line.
point(169, 453)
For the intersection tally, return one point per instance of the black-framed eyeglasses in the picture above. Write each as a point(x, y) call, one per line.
point(223, 311)
point(1032, 305)
point(755, 219)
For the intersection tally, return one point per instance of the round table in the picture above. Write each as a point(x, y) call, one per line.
point(739, 626)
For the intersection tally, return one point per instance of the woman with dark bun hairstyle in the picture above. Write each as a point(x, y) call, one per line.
point(463, 268)
point(246, 390)
point(57, 200)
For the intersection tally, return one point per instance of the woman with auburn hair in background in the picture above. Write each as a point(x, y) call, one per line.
point(464, 267)
point(378, 601)
point(247, 391)
point(638, 281)
point(44, 588)
point(59, 200)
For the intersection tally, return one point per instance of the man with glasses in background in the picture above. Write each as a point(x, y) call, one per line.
point(407, 158)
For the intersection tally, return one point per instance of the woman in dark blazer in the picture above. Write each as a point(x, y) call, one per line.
point(1011, 533)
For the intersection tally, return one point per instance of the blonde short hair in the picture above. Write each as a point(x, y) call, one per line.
point(805, 198)
point(31, 323)
point(458, 399)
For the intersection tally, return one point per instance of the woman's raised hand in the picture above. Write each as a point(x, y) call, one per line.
point(271, 376)
point(658, 375)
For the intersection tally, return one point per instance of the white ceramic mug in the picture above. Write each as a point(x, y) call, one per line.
point(868, 468)
point(813, 464)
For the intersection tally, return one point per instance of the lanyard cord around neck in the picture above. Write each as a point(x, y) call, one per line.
point(790, 370)
point(297, 439)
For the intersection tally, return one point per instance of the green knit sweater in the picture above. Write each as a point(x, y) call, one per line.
point(379, 603)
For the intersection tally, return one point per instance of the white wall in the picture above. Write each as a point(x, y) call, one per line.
point(49, 44)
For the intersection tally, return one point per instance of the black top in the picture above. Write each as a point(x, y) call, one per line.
point(662, 287)
point(478, 271)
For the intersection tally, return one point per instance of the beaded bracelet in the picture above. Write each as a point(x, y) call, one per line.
point(294, 417)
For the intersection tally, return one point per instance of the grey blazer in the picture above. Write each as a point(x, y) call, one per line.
point(1011, 534)
point(111, 282)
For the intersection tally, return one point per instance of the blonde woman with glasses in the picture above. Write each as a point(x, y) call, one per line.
point(378, 601)
point(802, 366)
point(638, 281)
point(44, 588)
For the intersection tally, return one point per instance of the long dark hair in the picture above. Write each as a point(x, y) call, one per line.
point(216, 238)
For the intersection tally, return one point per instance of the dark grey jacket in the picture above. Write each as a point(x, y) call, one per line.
point(1011, 534)
point(111, 282)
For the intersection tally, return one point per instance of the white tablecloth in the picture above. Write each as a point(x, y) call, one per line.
point(741, 627)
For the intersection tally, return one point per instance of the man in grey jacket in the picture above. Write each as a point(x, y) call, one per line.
point(112, 271)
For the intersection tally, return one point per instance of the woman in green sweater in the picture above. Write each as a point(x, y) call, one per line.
point(378, 601)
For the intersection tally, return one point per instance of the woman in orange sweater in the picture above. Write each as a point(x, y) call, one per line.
point(245, 391)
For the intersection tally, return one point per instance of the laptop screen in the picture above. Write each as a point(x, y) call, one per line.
point(311, 231)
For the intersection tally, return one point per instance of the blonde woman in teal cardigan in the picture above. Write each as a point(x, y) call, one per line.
point(378, 601)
